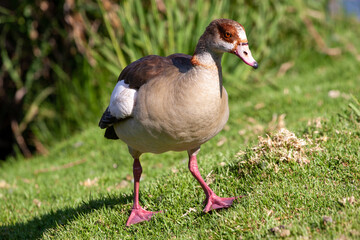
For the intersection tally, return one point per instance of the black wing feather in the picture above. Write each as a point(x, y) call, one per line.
point(107, 119)
point(110, 133)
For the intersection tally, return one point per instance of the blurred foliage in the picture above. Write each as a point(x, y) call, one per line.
point(32, 40)
point(36, 84)
point(61, 60)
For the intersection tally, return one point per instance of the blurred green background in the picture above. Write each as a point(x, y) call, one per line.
point(60, 59)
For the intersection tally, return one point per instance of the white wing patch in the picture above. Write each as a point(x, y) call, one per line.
point(122, 100)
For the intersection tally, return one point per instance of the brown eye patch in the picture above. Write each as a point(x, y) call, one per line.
point(227, 32)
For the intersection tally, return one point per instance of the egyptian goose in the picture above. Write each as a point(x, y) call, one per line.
point(175, 103)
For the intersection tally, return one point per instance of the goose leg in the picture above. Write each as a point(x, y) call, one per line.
point(212, 200)
point(138, 214)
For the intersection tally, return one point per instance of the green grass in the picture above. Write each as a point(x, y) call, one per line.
point(43, 198)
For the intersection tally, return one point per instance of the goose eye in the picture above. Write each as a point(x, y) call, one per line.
point(227, 35)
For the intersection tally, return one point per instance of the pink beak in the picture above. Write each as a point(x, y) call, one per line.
point(243, 52)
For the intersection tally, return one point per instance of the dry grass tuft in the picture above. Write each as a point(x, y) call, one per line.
point(283, 146)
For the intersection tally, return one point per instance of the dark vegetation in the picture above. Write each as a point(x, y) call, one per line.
point(37, 57)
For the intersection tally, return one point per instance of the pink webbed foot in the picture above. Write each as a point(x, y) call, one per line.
point(139, 215)
point(216, 202)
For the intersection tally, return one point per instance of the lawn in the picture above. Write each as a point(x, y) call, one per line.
point(83, 188)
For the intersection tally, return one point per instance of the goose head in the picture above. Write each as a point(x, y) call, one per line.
point(225, 35)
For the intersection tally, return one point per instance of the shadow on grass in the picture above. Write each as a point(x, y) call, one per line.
point(34, 228)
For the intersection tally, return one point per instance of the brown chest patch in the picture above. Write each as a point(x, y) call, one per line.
point(195, 62)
